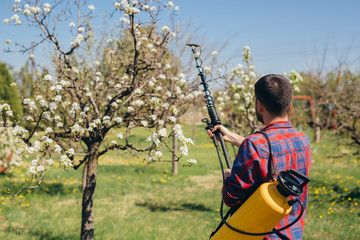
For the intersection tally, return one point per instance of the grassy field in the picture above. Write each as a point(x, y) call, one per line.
point(135, 201)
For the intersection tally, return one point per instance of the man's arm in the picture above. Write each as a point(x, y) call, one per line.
point(231, 137)
point(247, 173)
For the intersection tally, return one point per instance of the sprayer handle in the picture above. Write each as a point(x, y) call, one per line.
point(304, 178)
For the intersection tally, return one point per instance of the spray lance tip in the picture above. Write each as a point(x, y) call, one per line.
point(192, 45)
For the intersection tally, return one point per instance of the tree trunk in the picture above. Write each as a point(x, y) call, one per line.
point(87, 224)
point(84, 176)
point(317, 130)
point(174, 159)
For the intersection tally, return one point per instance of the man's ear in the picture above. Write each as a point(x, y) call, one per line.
point(260, 106)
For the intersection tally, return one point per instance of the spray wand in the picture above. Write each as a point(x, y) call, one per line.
point(214, 118)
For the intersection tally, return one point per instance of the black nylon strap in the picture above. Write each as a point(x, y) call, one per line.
point(272, 172)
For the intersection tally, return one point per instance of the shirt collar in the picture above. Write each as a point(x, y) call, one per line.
point(279, 124)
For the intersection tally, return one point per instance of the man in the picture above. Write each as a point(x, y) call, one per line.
point(291, 149)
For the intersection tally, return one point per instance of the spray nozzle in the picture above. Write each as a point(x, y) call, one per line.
point(289, 185)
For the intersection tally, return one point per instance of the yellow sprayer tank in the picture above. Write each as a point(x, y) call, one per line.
point(263, 210)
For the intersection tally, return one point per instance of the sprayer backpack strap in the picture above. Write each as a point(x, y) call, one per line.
point(272, 172)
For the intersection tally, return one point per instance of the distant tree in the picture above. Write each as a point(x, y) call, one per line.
point(25, 79)
point(8, 157)
point(346, 102)
point(7, 92)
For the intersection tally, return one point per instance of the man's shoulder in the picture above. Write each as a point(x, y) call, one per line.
point(278, 135)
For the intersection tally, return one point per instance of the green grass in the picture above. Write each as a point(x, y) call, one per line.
point(141, 201)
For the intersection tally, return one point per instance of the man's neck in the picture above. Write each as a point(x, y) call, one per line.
point(271, 119)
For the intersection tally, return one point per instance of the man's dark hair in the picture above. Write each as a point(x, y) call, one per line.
point(275, 93)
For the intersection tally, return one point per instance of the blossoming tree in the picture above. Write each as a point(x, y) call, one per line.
point(236, 103)
point(8, 158)
point(94, 86)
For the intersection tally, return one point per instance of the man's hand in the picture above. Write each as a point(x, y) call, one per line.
point(227, 173)
point(231, 137)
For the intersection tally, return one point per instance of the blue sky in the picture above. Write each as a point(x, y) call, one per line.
point(283, 35)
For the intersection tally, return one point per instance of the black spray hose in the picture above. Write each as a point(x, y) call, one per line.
point(215, 120)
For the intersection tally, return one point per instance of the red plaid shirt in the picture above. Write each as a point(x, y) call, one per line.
point(291, 149)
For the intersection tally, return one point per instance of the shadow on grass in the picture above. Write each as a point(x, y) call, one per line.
point(171, 206)
point(44, 189)
point(20, 232)
point(55, 189)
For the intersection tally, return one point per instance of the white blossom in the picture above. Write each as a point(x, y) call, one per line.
point(28, 118)
point(79, 38)
point(76, 128)
point(86, 109)
point(165, 28)
point(184, 150)
point(72, 24)
point(75, 106)
point(43, 103)
point(117, 5)
point(154, 100)
point(172, 119)
point(119, 135)
point(49, 130)
point(162, 132)
point(71, 151)
point(48, 77)
point(138, 91)
point(67, 162)
point(19, 131)
point(32, 170)
point(118, 119)
point(9, 113)
point(47, 7)
point(166, 105)
point(170, 4)
point(50, 161)
point(192, 161)
point(57, 98)
point(158, 154)
point(40, 168)
point(16, 19)
point(57, 148)
point(125, 20)
point(137, 103)
point(130, 109)
point(34, 162)
point(47, 116)
point(91, 7)
point(35, 10)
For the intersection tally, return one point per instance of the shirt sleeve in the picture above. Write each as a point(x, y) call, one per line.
point(246, 175)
